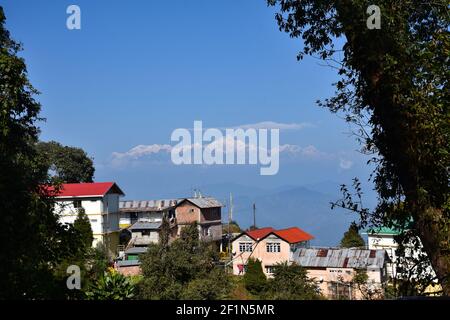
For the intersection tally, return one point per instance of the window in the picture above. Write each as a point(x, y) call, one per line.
point(77, 204)
point(245, 246)
point(269, 269)
point(93, 220)
point(273, 247)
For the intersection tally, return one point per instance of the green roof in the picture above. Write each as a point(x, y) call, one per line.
point(387, 230)
point(383, 230)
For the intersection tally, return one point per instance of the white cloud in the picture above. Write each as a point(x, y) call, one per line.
point(275, 125)
point(345, 164)
point(142, 150)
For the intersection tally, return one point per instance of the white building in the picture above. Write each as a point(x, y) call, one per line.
point(132, 211)
point(100, 201)
point(384, 238)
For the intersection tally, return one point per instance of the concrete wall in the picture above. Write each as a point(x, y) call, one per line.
point(334, 283)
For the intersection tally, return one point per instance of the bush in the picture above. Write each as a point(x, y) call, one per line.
point(112, 286)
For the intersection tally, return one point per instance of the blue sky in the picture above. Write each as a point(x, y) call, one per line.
point(138, 70)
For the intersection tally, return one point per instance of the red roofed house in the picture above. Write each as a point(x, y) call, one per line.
point(268, 245)
point(100, 201)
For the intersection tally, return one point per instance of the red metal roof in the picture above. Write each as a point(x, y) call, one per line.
point(97, 189)
point(293, 235)
point(259, 233)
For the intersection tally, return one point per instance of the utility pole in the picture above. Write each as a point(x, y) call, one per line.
point(230, 218)
point(254, 215)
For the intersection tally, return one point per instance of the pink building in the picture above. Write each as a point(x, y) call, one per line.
point(268, 245)
point(333, 269)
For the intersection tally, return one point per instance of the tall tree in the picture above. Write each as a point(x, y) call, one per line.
point(352, 238)
point(395, 87)
point(83, 226)
point(254, 278)
point(67, 164)
point(32, 240)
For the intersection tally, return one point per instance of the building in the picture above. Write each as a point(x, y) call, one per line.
point(384, 238)
point(333, 270)
point(147, 210)
point(268, 245)
point(143, 233)
point(100, 201)
point(206, 212)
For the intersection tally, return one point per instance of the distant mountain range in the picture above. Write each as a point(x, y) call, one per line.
point(307, 207)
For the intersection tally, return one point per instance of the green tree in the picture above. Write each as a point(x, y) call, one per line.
point(352, 238)
point(67, 164)
point(254, 279)
point(111, 286)
point(394, 89)
point(83, 226)
point(33, 242)
point(184, 269)
point(368, 291)
point(290, 282)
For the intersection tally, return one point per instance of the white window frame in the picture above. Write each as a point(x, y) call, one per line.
point(273, 247)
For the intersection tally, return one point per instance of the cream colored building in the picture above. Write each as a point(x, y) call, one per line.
point(100, 201)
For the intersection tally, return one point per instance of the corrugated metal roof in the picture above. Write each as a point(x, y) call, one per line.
point(340, 258)
point(136, 250)
point(206, 202)
point(142, 225)
point(147, 205)
point(128, 263)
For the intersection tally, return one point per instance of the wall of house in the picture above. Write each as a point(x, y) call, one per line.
point(386, 242)
point(153, 237)
point(187, 213)
point(103, 225)
point(211, 232)
point(125, 217)
point(129, 270)
point(210, 214)
point(335, 282)
point(260, 252)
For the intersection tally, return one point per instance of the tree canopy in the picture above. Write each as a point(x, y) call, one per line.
point(352, 238)
point(394, 88)
point(33, 242)
point(66, 164)
point(185, 269)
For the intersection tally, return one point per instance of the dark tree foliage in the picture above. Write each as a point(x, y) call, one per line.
point(290, 282)
point(352, 238)
point(394, 87)
point(254, 278)
point(83, 226)
point(185, 269)
point(32, 240)
point(67, 164)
